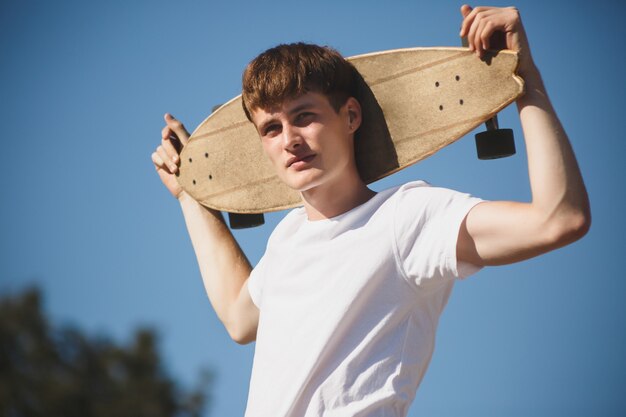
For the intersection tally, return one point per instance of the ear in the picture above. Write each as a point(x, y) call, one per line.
point(354, 114)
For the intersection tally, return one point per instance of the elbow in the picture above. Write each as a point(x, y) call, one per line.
point(242, 339)
point(579, 223)
point(241, 320)
point(583, 224)
point(570, 228)
point(240, 335)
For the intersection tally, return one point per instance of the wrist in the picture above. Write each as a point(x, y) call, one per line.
point(184, 198)
point(533, 85)
point(187, 202)
point(530, 74)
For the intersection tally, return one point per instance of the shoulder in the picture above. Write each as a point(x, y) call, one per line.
point(419, 203)
point(425, 193)
point(424, 196)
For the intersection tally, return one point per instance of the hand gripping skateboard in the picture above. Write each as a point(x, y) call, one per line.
point(414, 101)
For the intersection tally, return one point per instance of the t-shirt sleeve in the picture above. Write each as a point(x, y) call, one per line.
point(426, 227)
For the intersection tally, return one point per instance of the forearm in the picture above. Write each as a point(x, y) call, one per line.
point(502, 232)
point(223, 265)
point(558, 190)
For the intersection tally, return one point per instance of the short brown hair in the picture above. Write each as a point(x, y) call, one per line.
point(290, 70)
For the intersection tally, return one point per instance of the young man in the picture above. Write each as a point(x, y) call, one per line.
point(345, 302)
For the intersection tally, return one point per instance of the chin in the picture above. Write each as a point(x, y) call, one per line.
point(303, 183)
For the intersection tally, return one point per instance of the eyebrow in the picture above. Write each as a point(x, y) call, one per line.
point(300, 107)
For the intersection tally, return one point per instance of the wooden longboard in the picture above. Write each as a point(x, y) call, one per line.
point(415, 101)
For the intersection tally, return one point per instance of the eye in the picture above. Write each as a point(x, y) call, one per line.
point(271, 130)
point(304, 118)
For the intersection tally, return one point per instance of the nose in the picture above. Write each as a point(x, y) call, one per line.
point(292, 137)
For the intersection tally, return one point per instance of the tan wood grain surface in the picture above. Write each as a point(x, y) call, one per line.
point(415, 102)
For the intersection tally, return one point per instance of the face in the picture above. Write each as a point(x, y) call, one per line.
point(307, 141)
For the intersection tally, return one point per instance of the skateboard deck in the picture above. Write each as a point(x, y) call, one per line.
point(414, 101)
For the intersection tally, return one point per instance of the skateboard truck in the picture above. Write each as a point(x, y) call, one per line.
point(494, 143)
point(240, 220)
point(245, 221)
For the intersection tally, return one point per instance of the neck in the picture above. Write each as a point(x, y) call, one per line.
point(330, 200)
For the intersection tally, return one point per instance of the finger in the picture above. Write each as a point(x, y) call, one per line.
point(482, 30)
point(167, 161)
point(157, 161)
point(487, 29)
point(170, 149)
point(465, 11)
point(490, 25)
point(166, 132)
point(178, 128)
point(472, 20)
point(478, 18)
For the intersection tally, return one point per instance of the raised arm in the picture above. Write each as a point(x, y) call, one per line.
point(503, 232)
point(223, 265)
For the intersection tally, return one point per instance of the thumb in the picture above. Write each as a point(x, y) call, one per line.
point(465, 10)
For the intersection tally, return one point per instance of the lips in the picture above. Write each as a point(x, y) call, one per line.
point(301, 158)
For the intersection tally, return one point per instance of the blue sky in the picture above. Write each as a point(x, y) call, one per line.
point(84, 85)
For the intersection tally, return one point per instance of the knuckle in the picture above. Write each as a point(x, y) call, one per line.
point(514, 12)
point(165, 144)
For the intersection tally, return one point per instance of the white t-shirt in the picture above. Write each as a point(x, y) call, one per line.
point(349, 306)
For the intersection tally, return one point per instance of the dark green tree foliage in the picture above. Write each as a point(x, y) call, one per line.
point(52, 372)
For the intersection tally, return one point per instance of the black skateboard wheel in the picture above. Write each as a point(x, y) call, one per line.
point(245, 221)
point(493, 144)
